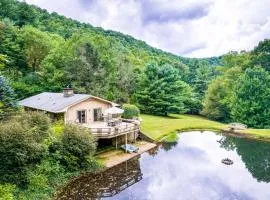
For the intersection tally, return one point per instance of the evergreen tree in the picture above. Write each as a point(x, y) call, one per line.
point(8, 101)
point(162, 92)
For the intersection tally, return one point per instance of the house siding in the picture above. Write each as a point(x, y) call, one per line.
point(88, 105)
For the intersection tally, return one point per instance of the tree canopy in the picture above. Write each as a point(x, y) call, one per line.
point(251, 99)
point(40, 52)
point(162, 92)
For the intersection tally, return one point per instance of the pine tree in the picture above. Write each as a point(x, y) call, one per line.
point(162, 92)
point(8, 101)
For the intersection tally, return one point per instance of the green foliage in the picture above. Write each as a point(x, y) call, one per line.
point(199, 76)
point(45, 52)
point(172, 137)
point(77, 147)
point(44, 179)
point(251, 100)
point(36, 45)
point(162, 92)
point(214, 105)
point(8, 102)
point(20, 148)
point(217, 102)
point(34, 163)
point(241, 93)
point(235, 59)
point(58, 128)
point(6, 192)
point(39, 122)
point(11, 48)
point(130, 111)
point(104, 63)
point(3, 61)
point(260, 55)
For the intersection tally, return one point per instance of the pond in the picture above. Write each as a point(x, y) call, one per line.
point(190, 168)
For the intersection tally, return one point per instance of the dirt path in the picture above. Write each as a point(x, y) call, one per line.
point(115, 157)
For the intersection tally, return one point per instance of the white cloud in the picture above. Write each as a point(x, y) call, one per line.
point(196, 28)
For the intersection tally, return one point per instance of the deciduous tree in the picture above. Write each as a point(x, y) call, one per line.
point(251, 100)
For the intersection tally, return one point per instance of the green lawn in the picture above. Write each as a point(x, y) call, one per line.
point(157, 127)
point(258, 133)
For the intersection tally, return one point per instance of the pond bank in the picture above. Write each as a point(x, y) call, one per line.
point(246, 134)
point(176, 165)
point(115, 157)
point(158, 127)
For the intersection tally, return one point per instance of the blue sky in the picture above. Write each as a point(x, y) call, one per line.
point(193, 28)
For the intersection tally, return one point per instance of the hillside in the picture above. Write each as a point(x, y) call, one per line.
point(22, 14)
point(23, 27)
point(41, 51)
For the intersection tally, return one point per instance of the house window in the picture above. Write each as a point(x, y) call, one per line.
point(97, 114)
point(81, 116)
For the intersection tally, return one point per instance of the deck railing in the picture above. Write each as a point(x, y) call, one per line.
point(114, 131)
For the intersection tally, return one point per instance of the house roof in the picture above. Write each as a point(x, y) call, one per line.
point(56, 102)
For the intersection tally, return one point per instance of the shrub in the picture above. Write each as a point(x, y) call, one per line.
point(18, 151)
point(130, 111)
point(21, 145)
point(44, 180)
point(6, 192)
point(38, 121)
point(77, 145)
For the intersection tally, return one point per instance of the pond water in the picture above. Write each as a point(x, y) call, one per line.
point(190, 168)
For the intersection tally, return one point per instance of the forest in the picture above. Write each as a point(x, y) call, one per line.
point(41, 51)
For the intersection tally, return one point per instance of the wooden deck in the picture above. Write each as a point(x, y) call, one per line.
point(115, 157)
point(103, 131)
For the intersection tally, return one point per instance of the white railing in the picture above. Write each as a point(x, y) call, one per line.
point(113, 131)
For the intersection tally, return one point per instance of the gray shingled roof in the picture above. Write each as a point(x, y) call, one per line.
point(53, 102)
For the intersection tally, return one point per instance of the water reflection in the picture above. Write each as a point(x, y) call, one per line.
point(188, 169)
point(106, 184)
point(255, 155)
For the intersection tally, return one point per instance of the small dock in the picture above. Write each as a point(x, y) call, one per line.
point(115, 157)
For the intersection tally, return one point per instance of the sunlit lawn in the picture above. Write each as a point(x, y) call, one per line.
point(258, 133)
point(157, 127)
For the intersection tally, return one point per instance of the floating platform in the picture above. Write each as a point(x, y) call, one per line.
point(227, 161)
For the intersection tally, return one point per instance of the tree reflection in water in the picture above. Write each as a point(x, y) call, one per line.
point(193, 161)
point(105, 184)
point(255, 155)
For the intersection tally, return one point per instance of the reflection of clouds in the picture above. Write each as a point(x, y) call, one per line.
point(181, 175)
point(193, 171)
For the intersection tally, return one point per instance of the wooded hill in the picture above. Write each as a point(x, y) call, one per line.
point(40, 52)
point(31, 38)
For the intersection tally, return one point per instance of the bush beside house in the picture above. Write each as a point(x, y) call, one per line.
point(130, 111)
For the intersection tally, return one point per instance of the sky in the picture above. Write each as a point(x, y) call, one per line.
point(190, 28)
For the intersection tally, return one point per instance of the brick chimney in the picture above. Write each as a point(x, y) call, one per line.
point(68, 91)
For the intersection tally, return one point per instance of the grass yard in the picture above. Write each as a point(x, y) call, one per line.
point(157, 127)
point(258, 133)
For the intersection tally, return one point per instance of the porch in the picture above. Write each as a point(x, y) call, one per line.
point(102, 130)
